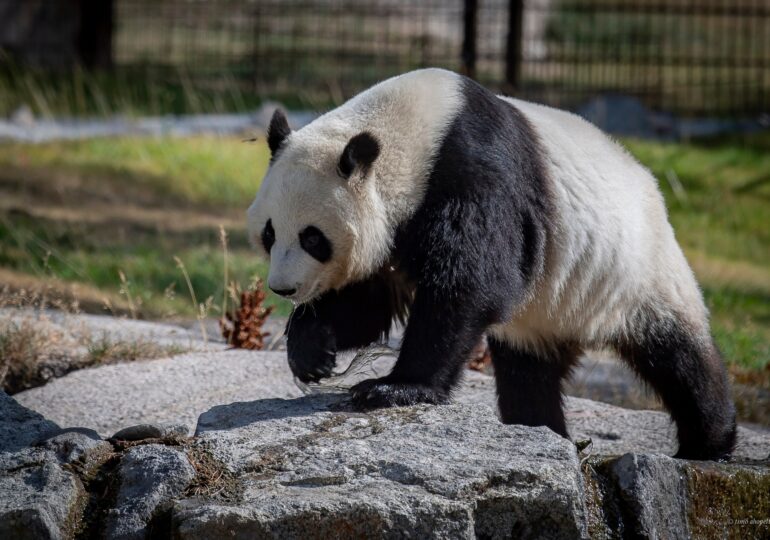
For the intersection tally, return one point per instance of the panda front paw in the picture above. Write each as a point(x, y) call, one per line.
point(377, 393)
point(311, 348)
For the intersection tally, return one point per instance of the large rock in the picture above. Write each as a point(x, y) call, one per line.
point(81, 445)
point(38, 498)
point(313, 466)
point(641, 479)
point(655, 496)
point(269, 462)
point(149, 477)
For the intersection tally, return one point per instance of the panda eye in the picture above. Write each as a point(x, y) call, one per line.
point(311, 240)
point(315, 244)
point(268, 236)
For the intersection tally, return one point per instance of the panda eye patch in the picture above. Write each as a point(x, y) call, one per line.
point(268, 236)
point(315, 243)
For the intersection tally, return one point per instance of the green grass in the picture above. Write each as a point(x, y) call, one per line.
point(88, 211)
point(135, 89)
point(82, 212)
point(722, 221)
point(725, 210)
point(198, 170)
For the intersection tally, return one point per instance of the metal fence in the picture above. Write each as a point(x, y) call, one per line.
point(695, 57)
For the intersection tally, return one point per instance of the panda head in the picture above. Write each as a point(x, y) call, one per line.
point(317, 216)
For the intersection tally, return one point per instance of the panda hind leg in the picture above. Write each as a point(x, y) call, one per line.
point(529, 386)
point(689, 376)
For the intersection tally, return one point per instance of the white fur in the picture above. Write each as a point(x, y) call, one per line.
point(408, 115)
point(613, 249)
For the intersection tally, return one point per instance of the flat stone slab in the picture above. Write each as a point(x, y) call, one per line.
point(169, 390)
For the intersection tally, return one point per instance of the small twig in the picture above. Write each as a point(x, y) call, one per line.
point(124, 289)
point(590, 448)
point(676, 185)
point(223, 241)
point(199, 308)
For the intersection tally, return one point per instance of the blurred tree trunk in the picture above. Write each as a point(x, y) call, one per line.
point(57, 33)
point(95, 37)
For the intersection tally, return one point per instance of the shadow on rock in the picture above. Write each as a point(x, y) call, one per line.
point(244, 413)
point(21, 427)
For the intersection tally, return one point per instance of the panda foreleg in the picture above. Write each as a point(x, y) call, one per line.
point(529, 386)
point(354, 316)
point(438, 340)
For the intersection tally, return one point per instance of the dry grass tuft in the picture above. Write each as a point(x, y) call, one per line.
point(212, 478)
point(27, 356)
point(102, 351)
point(34, 349)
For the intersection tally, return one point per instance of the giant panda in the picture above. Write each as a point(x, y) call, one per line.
point(431, 200)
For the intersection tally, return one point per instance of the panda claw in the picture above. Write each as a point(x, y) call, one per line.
point(379, 393)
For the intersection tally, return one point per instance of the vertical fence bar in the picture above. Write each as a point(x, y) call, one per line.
point(513, 45)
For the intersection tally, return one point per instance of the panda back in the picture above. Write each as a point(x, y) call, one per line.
point(612, 248)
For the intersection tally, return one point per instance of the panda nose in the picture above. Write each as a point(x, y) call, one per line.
point(284, 292)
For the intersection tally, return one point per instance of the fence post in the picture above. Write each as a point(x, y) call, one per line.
point(94, 40)
point(469, 37)
point(513, 45)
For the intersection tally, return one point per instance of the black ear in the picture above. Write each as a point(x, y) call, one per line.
point(361, 151)
point(277, 131)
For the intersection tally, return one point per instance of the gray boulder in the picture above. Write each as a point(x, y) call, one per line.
point(76, 444)
point(644, 479)
point(655, 496)
point(38, 498)
point(311, 465)
point(151, 431)
point(149, 477)
point(178, 390)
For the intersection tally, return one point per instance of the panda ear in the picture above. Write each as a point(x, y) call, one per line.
point(277, 131)
point(361, 151)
